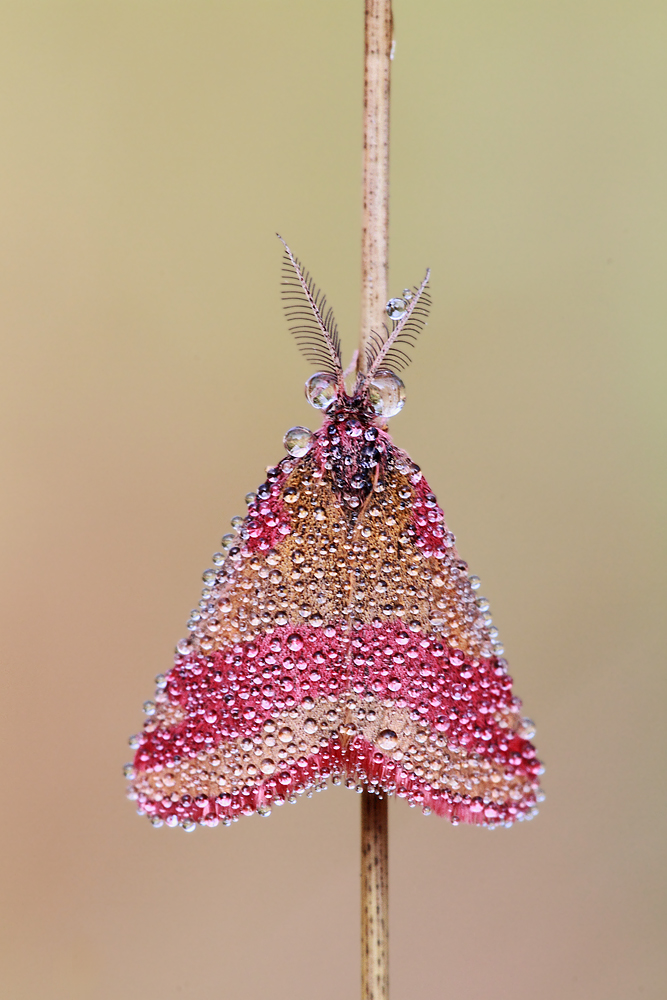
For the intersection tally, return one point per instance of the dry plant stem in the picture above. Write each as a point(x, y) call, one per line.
point(374, 898)
point(374, 267)
point(375, 225)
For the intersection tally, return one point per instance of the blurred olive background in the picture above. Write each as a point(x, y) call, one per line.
point(149, 152)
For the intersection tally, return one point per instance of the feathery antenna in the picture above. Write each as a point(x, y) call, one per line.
point(310, 320)
point(390, 349)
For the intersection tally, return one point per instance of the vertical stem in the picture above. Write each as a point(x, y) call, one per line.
point(375, 224)
point(374, 898)
point(374, 266)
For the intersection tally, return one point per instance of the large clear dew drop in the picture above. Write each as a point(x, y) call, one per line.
point(396, 309)
point(298, 441)
point(386, 394)
point(322, 390)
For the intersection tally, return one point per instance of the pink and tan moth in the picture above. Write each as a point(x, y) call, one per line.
point(339, 634)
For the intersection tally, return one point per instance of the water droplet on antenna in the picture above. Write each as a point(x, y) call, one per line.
point(396, 309)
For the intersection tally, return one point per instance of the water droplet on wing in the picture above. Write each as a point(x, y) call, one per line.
point(298, 441)
point(387, 739)
point(527, 729)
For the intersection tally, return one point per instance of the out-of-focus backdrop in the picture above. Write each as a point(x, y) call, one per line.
point(149, 151)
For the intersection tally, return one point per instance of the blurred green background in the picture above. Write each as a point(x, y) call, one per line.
point(149, 151)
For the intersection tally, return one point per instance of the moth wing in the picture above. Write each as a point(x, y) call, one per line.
point(341, 637)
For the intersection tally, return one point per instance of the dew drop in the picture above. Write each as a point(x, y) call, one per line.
point(396, 309)
point(387, 739)
point(322, 390)
point(386, 394)
point(527, 729)
point(298, 441)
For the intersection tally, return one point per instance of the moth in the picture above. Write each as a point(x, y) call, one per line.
point(339, 634)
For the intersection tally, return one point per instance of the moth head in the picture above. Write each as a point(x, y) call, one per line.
point(378, 393)
point(379, 397)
